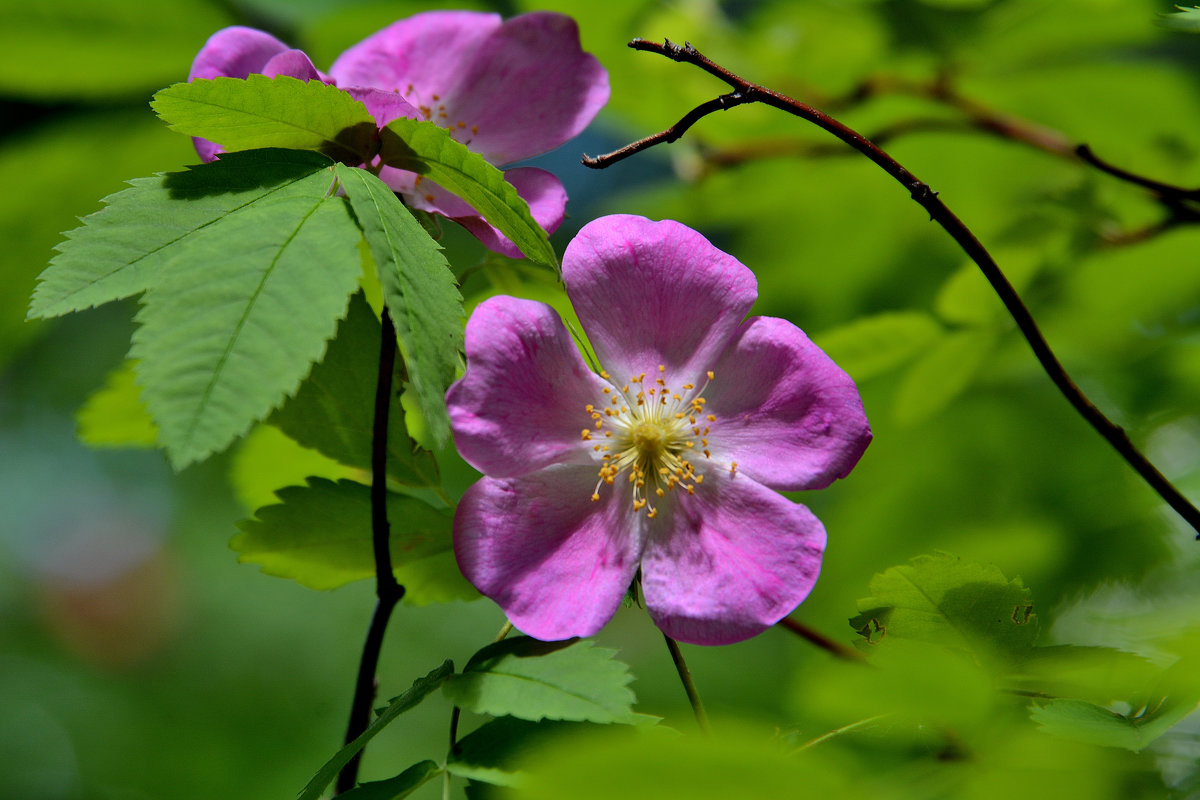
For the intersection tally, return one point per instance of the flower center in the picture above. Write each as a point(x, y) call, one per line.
point(651, 434)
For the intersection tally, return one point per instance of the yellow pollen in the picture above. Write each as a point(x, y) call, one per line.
point(587, 434)
point(595, 496)
point(710, 375)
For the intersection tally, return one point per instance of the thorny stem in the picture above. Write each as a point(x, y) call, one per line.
point(689, 686)
point(387, 589)
point(821, 640)
point(745, 92)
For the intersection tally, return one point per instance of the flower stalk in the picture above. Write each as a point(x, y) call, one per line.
point(689, 685)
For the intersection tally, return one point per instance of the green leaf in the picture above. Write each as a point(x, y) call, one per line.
point(241, 316)
point(266, 460)
point(873, 345)
point(320, 536)
point(1185, 20)
point(522, 677)
point(947, 601)
point(942, 374)
point(333, 412)
point(395, 788)
point(419, 289)
point(114, 416)
point(145, 231)
point(257, 111)
point(967, 298)
point(489, 753)
point(424, 148)
point(421, 689)
point(1087, 722)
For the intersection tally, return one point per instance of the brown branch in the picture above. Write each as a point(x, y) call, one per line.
point(822, 641)
point(745, 92)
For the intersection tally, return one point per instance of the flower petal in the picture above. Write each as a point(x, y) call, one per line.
point(650, 293)
point(788, 415)
point(513, 90)
point(556, 562)
point(730, 561)
point(527, 89)
point(521, 405)
point(293, 63)
point(235, 53)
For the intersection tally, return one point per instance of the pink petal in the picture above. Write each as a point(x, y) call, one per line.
point(522, 403)
point(554, 560)
point(293, 63)
point(728, 562)
point(384, 106)
point(650, 293)
point(235, 53)
point(788, 415)
point(510, 90)
point(528, 89)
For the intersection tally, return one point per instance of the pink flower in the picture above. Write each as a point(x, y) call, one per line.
point(668, 459)
point(509, 90)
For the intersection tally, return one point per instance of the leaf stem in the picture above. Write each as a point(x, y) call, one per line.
point(689, 686)
point(745, 92)
point(387, 589)
point(821, 640)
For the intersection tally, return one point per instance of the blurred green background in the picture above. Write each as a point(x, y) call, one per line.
point(139, 660)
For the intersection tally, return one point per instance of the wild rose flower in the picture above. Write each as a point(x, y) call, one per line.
point(509, 90)
point(667, 459)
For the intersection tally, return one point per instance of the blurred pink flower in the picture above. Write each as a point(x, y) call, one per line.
point(668, 460)
point(509, 90)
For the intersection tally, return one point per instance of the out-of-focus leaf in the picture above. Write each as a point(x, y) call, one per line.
point(256, 112)
point(1099, 675)
point(333, 412)
point(57, 49)
point(1185, 20)
point(114, 416)
point(490, 752)
point(872, 345)
point(320, 535)
point(420, 292)
point(398, 787)
point(421, 689)
point(231, 331)
point(966, 298)
point(944, 600)
point(266, 460)
point(942, 374)
point(528, 679)
point(145, 232)
point(1088, 722)
point(424, 148)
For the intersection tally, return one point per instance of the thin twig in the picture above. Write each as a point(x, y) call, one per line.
point(746, 92)
point(821, 640)
point(387, 589)
point(689, 686)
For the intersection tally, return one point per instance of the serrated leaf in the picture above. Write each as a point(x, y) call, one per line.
point(424, 148)
point(333, 412)
point(490, 751)
point(522, 677)
point(238, 321)
point(114, 416)
point(873, 345)
point(256, 112)
point(421, 689)
point(266, 460)
point(954, 603)
point(136, 239)
point(942, 374)
point(1087, 722)
point(398, 787)
point(420, 291)
point(320, 536)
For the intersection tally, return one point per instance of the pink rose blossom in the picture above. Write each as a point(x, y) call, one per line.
point(509, 90)
point(668, 460)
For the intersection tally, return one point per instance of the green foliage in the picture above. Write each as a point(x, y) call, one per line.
point(876, 344)
point(1088, 722)
point(266, 460)
point(420, 292)
point(532, 680)
point(490, 752)
point(428, 150)
point(320, 536)
point(237, 322)
point(421, 688)
point(146, 232)
point(945, 600)
point(114, 415)
point(258, 112)
point(333, 412)
point(395, 788)
point(1185, 20)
